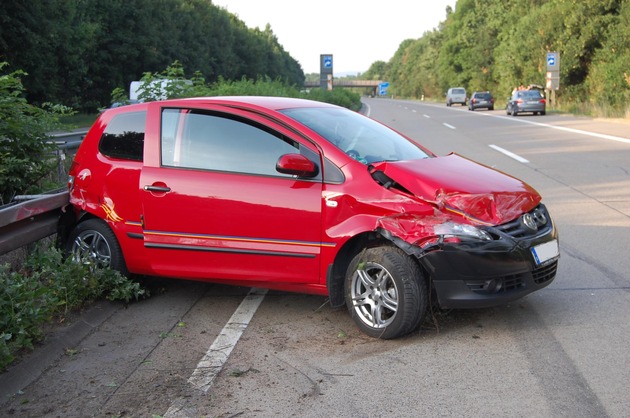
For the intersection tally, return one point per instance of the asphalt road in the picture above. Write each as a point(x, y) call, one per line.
point(560, 352)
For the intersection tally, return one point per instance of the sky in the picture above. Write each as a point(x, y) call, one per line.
point(356, 32)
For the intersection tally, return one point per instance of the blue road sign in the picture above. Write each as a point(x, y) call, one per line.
point(551, 59)
point(328, 61)
point(382, 89)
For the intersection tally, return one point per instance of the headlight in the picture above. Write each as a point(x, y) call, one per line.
point(451, 229)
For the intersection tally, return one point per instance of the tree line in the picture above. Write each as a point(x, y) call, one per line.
point(497, 45)
point(76, 52)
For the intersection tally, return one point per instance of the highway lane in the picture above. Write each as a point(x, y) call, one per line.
point(583, 173)
point(558, 352)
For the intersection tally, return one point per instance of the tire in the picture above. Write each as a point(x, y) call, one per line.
point(543, 113)
point(93, 241)
point(491, 108)
point(514, 112)
point(385, 292)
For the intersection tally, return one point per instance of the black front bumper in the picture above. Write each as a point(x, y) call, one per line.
point(490, 274)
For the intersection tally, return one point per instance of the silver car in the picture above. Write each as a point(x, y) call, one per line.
point(526, 101)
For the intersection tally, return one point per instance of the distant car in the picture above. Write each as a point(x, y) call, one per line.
point(303, 196)
point(456, 95)
point(481, 100)
point(525, 101)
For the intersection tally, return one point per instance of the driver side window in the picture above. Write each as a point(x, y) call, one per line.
point(213, 141)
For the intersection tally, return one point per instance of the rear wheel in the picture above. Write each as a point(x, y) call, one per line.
point(386, 292)
point(94, 242)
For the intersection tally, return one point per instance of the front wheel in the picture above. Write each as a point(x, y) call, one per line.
point(386, 292)
point(93, 242)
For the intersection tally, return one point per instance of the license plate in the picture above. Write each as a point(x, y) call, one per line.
point(545, 252)
point(534, 102)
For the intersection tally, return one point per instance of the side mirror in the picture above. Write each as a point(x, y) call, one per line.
point(296, 165)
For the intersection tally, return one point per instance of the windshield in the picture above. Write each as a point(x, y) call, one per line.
point(360, 137)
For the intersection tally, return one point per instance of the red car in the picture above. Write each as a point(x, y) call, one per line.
point(303, 196)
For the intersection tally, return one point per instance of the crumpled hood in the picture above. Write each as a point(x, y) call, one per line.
point(460, 185)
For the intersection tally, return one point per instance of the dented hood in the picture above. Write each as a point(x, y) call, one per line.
point(460, 185)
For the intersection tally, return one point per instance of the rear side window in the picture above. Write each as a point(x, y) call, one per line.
point(123, 137)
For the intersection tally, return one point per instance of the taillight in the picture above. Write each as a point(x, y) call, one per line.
point(71, 175)
point(519, 100)
point(542, 101)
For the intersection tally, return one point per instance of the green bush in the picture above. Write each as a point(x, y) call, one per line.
point(48, 286)
point(26, 151)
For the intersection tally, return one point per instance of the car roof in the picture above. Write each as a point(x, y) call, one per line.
point(269, 102)
point(251, 102)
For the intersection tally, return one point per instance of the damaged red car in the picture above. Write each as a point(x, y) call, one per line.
point(303, 196)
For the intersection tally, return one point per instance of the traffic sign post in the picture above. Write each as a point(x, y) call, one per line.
point(326, 71)
point(553, 75)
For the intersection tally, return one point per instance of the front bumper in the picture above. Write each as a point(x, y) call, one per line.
point(493, 273)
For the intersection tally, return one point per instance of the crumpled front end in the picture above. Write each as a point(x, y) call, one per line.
point(489, 241)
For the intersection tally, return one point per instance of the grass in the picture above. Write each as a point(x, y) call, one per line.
point(78, 120)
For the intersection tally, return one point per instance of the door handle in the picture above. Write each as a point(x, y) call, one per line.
point(159, 189)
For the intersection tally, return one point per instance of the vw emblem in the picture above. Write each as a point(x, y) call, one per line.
point(529, 222)
point(540, 217)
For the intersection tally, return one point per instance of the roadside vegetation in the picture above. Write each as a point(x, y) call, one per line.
point(496, 45)
point(46, 289)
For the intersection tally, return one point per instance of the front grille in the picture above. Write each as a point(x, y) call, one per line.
point(513, 282)
point(517, 229)
point(545, 273)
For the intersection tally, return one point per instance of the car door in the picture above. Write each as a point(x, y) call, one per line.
point(214, 205)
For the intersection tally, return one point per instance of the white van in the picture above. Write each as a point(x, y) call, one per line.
point(456, 95)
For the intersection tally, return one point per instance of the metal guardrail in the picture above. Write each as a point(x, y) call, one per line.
point(30, 218)
point(28, 221)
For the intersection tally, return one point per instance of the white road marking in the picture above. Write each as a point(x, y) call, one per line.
point(560, 128)
point(509, 154)
point(427, 116)
point(212, 362)
point(449, 126)
point(216, 356)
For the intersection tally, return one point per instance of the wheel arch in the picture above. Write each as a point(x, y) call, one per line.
point(335, 275)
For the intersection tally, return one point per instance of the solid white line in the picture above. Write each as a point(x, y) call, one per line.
point(509, 154)
point(427, 116)
point(216, 356)
point(449, 126)
point(560, 128)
